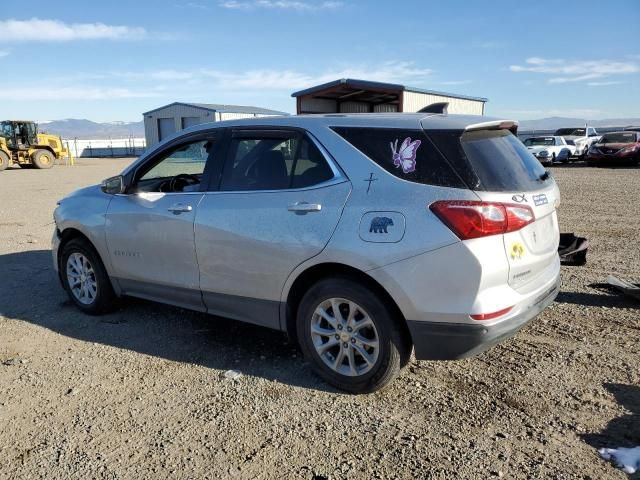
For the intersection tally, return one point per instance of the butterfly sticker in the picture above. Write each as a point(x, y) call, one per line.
point(406, 156)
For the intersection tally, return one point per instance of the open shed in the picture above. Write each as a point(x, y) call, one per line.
point(348, 95)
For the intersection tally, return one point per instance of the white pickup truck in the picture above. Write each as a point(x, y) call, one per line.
point(581, 137)
point(549, 149)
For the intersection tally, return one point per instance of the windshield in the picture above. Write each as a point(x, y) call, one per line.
point(5, 129)
point(619, 137)
point(535, 141)
point(577, 132)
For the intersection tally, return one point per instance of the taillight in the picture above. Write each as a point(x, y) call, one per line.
point(491, 316)
point(474, 219)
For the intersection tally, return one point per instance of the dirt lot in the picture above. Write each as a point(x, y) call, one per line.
point(140, 393)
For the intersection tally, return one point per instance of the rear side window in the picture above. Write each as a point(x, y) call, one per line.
point(274, 163)
point(491, 160)
point(407, 154)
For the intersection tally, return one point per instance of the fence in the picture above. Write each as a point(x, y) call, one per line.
point(117, 147)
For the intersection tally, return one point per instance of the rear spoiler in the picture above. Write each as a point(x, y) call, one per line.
point(511, 125)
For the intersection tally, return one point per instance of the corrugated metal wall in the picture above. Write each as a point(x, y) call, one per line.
point(238, 116)
point(385, 108)
point(318, 105)
point(354, 107)
point(177, 112)
point(414, 101)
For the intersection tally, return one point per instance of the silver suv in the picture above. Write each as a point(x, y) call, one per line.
point(362, 236)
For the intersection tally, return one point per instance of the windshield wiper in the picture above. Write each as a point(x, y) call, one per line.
point(544, 176)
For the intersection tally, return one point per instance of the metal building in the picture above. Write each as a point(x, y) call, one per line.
point(163, 122)
point(359, 96)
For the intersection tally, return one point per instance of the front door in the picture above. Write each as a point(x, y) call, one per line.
point(150, 228)
point(278, 205)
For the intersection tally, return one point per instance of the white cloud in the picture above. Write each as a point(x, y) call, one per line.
point(41, 30)
point(296, 5)
point(565, 71)
point(73, 93)
point(604, 84)
point(292, 80)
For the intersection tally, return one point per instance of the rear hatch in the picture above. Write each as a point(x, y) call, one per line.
point(500, 169)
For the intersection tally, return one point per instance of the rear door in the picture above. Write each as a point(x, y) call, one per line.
point(277, 205)
point(499, 168)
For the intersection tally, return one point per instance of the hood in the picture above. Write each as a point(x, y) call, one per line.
point(91, 190)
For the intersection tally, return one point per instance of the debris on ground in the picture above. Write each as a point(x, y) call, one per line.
point(232, 374)
point(628, 288)
point(572, 249)
point(628, 459)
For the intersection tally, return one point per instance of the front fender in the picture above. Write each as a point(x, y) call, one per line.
point(85, 210)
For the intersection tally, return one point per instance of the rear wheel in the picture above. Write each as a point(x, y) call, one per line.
point(4, 161)
point(43, 159)
point(85, 278)
point(350, 337)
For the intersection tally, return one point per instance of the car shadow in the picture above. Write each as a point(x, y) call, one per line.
point(604, 299)
point(623, 431)
point(32, 293)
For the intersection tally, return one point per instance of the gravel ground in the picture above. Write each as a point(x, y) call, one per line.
point(141, 393)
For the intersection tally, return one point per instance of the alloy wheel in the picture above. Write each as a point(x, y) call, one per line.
point(345, 337)
point(81, 278)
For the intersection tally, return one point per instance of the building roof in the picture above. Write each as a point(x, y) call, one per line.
point(366, 84)
point(217, 107)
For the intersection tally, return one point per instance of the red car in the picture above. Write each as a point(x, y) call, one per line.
point(616, 148)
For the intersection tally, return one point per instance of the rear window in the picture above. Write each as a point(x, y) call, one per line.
point(491, 160)
point(407, 154)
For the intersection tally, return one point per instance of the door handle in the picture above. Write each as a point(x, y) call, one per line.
point(180, 208)
point(304, 207)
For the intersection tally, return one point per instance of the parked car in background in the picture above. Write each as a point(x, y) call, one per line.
point(363, 236)
point(582, 138)
point(549, 149)
point(616, 148)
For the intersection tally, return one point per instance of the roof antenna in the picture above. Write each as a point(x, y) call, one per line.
point(440, 107)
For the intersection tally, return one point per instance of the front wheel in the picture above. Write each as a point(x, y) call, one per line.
point(4, 161)
point(85, 278)
point(43, 159)
point(350, 336)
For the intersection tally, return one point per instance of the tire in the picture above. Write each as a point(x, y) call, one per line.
point(393, 346)
point(99, 297)
point(43, 159)
point(4, 161)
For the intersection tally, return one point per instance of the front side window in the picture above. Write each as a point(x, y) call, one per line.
point(266, 162)
point(178, 169)
point(188, 159)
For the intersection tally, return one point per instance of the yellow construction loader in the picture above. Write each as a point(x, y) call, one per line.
point(21, 144)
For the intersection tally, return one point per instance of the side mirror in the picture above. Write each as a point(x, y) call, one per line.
point(113, 185)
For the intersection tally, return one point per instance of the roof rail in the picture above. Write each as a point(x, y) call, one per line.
point(439, 107)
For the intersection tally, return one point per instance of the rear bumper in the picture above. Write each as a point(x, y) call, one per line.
point(453, 341)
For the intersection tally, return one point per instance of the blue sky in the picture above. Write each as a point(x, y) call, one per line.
point(113, 60)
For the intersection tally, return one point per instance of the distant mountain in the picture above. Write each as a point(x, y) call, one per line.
point(553, 123)
point(86, 129)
